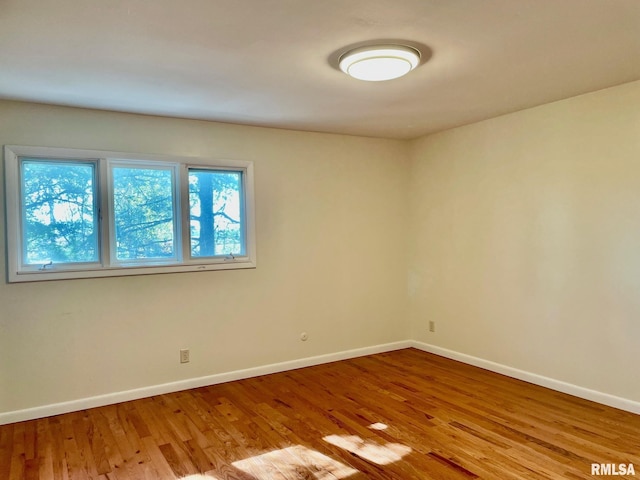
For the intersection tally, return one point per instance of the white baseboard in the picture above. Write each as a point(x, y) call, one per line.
point(560, 386)
point(111, 398)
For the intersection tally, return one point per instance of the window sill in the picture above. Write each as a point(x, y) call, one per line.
point(68, 274)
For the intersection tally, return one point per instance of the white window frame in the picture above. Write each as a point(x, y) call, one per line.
point(172, 167)
point(35, 268)
point(107, 265)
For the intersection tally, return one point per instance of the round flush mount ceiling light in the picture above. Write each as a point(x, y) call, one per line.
point(376, 63)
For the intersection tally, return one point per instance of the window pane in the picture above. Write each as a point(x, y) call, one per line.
point(59, 221)
point(143, 213)
point(215, 208)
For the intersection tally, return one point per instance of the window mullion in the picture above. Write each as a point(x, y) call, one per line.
point(185, 214)
point(177, 214)
point(105, 214)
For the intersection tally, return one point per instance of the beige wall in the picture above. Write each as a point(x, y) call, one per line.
point(525, 240)
point(330, 238)
point(518, 236)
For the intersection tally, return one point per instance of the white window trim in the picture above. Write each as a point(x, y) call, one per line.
point(174, 168)
point(107, 267)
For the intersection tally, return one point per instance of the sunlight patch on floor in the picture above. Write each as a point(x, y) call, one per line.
point(378, 426)
point(369, 450)
point(294, 462)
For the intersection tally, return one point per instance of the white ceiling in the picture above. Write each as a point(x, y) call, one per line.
point(271, 62)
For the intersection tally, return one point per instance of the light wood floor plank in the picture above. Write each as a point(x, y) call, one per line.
point(404, 415)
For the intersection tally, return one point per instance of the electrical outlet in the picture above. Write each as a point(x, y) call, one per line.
point(184, 355)
point(432, 326)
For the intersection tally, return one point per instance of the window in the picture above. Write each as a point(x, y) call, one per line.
point(82, 213)
point(215, 205)
point(143, 212)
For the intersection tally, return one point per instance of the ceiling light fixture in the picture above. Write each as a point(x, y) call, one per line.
point(376, 63)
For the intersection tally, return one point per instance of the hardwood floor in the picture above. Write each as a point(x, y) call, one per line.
point(398, 415)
